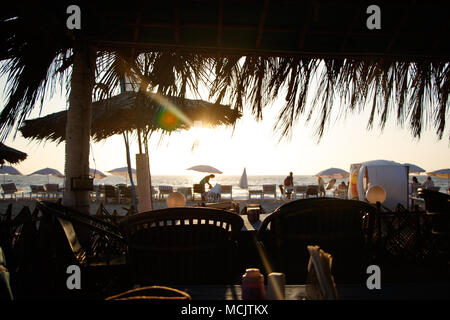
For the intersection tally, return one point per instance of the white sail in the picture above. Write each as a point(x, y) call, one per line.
point(243, 183)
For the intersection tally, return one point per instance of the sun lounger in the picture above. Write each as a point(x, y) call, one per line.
point(186, 191)
point(53, 190)
point(312, 190)
point(255, 193)
point(301, 190)
point(198, 188)
point(227, 189)
point(11, 189)
point(270, 189)
point(164, 190)
point(38, 191)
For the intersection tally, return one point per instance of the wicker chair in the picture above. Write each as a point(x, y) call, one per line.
point(183, 245)
point(151, 293)
point(437, 205)
point(341, 227)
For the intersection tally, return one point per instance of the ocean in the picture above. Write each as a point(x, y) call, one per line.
point(254, 181)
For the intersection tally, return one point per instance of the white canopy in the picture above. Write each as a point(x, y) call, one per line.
point(390, 175)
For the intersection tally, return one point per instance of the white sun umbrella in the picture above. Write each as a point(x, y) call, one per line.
point(205, 168)
point(123, 172)
point(243, 182)
point(96, 174)
point(335, 173)
point(48, 172)
point(414, 169)
point(442, 173)
point(4, 170)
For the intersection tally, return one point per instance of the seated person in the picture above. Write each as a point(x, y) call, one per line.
point(428, 183)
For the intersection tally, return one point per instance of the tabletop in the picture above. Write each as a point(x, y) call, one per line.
point(388, 291)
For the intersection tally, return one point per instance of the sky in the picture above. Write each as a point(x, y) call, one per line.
point(252, 145)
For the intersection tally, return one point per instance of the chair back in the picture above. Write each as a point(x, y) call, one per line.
point(312, 190)
point(340, 227)
point(165, 189)
point(435, 201)
point(9, 188)
point(199, 188)
point(151, 293)
point(52, 187)
point(269, 188)
point(227, 189)
point(37, 188)
point(110, 191)
point(183, 245)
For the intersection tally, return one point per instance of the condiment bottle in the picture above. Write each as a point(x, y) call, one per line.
point(253, 285)
point(275, 286)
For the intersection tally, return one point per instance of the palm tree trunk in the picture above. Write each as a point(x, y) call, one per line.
point(78, 127)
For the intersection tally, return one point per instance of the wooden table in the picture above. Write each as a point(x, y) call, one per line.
point(388, 291)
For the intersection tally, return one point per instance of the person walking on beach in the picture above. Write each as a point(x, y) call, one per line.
point(289, 185)
point(428, 183)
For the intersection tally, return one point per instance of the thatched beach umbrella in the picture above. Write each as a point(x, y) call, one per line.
point(130, 111)
point(11, 155)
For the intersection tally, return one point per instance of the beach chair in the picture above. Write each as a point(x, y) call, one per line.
point(11, 190)
point(164, 190)
point(111, 192)
point(300, 190)
point(255, 192)
point(198, 188)
point(270, 189)
point(343, 228)
point(227, 189)
point(38, 191)
point(312, 190)
point(184, 245)
point(53, 190)
point(186, 191)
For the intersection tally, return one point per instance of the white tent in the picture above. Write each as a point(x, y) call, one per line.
point(390, 175)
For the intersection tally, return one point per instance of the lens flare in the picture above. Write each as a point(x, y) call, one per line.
point(167, 120)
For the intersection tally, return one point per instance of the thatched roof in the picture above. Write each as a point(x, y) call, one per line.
point(129, 111)
point(401, 70)
point(11, 155)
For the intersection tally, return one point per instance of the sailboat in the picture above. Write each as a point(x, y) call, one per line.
point(243, 183)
